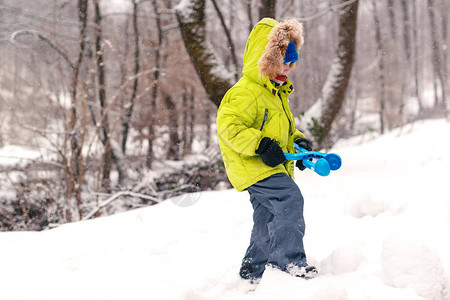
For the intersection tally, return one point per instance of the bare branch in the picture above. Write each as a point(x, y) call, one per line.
point(325, 11)
point(35, 17)
point(115, 197)
point(230, 41)
point(52, 44)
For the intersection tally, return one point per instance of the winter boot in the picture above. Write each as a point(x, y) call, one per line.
point(246, 272)
point(306, 272)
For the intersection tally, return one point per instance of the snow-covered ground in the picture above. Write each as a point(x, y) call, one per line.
point(378, 228)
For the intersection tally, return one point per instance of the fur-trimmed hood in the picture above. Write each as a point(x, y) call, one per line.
point(266, 47)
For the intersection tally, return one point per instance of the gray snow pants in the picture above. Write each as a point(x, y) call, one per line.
point(278, 227)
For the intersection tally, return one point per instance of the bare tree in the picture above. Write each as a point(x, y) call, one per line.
point(75, 169)
point(70, 151)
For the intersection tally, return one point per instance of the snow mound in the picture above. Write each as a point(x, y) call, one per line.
point(342, 260)
point(408, 264)
point(369, 204)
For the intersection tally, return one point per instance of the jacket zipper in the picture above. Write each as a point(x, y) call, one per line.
point(285, 113)
point(266, 114)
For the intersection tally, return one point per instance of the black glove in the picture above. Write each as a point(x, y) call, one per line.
point(305, 144)
point(270, 152)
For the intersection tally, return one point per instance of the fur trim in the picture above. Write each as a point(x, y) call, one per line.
point(280, 36)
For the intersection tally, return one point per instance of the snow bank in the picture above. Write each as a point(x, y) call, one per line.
point(377, 229)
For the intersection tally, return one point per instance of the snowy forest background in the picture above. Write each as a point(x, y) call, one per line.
point(108, 105)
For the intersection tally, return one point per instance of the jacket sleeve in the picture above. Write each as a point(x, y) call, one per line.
point(234, 122)
point(298, 135)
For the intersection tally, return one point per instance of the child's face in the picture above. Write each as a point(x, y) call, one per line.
point(284, 70)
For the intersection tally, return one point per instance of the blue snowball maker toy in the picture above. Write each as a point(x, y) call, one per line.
point(323, 164)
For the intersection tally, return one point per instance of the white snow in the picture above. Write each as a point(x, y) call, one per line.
point(13, 154)
point(185, 9)
point(378, 228)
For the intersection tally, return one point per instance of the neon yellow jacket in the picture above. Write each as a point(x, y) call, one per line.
point(252, 109)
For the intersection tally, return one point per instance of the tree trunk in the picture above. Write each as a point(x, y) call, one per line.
point(174, 137)
point(415, 43)
point(249, 15)
point(154, 95)
point(188, 120)
point(267, 9)
point(184, 134)
point(445, 10)
point(129, 111)
point(381, 69)
point(118, 151)
point(406, 82)
point(207, 126)
point(212, 73)
point(192, 118)
point(335, 87)
point(76, 172)
point(104, 121)
point(406, 30)
point(392, 25)
point(437, 58)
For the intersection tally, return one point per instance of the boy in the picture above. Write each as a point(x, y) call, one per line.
point(255, 126)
